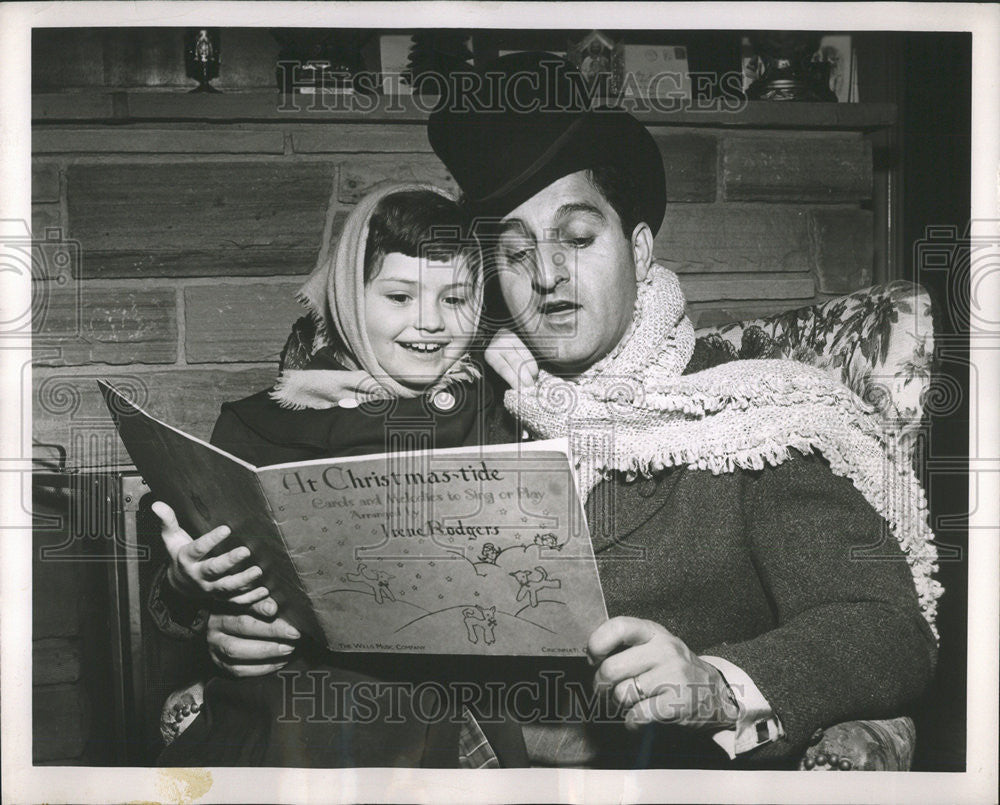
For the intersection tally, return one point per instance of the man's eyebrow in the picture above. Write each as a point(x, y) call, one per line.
point(516, 226)
point(512, 226)
point(579, 206)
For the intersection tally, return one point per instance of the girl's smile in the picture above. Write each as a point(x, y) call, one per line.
point(420, 316)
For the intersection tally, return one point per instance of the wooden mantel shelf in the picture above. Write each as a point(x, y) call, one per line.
point(266, 106)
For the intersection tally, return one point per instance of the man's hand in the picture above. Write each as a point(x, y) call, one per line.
point(246, 645)
point(191, 573)
point(512, 360)
point(655, 677)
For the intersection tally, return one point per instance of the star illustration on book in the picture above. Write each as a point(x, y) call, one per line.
point(502, 511)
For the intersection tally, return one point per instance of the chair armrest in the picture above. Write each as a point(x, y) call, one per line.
point(863, 746)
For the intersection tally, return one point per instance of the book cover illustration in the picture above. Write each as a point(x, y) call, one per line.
point(473, 550)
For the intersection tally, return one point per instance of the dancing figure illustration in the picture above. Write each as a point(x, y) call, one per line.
point(532, 582)
point(375, 580)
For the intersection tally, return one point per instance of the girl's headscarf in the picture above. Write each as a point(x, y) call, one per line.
point(334, 294)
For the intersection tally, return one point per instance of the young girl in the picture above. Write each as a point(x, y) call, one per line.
point(396, 308)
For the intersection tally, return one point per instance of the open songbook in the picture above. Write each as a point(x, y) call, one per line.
point(472, 550)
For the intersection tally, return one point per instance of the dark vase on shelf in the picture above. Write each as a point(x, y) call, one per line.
point(202, 56)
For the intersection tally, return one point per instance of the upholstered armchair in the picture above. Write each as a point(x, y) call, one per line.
point(878, 341)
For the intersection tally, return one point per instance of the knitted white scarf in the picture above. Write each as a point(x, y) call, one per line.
point(634, 412)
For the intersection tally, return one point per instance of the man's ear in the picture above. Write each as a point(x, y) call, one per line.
point(642, 249)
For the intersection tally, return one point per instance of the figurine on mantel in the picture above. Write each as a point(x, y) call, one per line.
point(600, 59)
point(202, 57)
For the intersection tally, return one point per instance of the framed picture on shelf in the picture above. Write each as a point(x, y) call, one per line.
point(837, 52)
point(656, 71)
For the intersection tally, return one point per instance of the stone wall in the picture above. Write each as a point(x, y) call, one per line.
point(193, 237)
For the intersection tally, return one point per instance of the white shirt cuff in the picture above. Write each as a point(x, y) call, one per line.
point(757, 724)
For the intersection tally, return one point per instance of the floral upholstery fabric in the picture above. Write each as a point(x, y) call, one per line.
point(878, 341)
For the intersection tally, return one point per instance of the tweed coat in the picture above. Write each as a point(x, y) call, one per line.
point(766, 569)
point(787, 572)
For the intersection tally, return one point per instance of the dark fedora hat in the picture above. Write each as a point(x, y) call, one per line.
point(520, 123)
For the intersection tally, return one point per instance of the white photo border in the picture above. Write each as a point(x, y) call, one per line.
point(25, 783)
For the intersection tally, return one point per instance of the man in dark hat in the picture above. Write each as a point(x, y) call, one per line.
point(740, 615)
point(741, 623)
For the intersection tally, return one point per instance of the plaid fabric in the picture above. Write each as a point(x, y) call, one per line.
point(474, 750)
